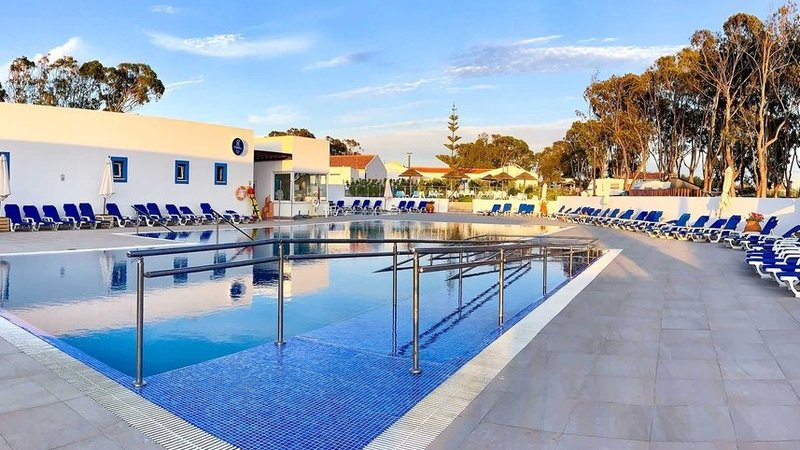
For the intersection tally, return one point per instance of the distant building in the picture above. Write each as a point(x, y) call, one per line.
point(344, 168)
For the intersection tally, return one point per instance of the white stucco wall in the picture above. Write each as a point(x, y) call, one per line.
point(375, 169)
point(47, 142)
point(784, 208)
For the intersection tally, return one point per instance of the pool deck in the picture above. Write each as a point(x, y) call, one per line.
point(674, 345)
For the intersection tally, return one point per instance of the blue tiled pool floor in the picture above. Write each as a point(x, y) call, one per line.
point(308, 393)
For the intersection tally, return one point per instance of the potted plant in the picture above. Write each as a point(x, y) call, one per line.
point(754, 222)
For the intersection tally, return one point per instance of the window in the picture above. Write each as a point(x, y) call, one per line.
point(8, 161)
point(308, 186)
point(220, 173)
point(181, 172)
point(282, 186)
point(119, 168)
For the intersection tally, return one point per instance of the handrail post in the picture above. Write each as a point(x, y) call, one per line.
point(501, 287)
point(415, 370)
point(216, 222)
point(279, 340)
point(570, 261)
point(460, 279)
point(544, 270)
point(394, 299)
point(139, 382)
point(394, 276)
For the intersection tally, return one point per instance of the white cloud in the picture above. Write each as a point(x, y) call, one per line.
point(341, 60)
point(277, 116)
point(385, 89)
point(181, 84)
point(522, 57)
point(594, 39)
point(69, 48)
point(537, 40)
point(230, 45)
point(164, 9)
point(473, 87)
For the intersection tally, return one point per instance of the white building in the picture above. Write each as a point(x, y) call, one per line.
point(57, 155)
point(344, 168)
point(293, 172)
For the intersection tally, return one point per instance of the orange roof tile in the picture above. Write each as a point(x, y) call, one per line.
point(354, 161)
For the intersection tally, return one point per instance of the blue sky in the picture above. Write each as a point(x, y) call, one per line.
point(383, 73)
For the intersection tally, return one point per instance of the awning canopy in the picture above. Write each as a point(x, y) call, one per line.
point(410, 173)
point(264, 155)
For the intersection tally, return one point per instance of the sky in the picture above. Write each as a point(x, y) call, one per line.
point(383, 73)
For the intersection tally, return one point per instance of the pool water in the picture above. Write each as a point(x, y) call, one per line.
point(347, 347)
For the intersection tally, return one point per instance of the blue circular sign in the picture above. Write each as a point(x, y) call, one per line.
point(237, 146)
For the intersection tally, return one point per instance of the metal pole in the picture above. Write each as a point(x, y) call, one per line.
point(394, 299)
point(544, 271)
point(415, 370)
point(139, 382)
point(394, 276)
point(570, 261)
point(216, 221)
point(281, 260)
point(501, 287)
point(460, 279)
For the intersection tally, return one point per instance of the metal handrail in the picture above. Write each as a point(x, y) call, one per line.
point(229, 222)
point(500, 258)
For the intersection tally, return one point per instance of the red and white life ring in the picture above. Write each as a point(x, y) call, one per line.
point(241, 193)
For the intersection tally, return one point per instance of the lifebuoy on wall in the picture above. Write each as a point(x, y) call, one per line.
point(241, 193)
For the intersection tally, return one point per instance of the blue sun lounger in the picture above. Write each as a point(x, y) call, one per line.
point(32, 212)
point(88, 212)
point(50, 211)
point(70, 210)
point(122, 220)
point(17, 221)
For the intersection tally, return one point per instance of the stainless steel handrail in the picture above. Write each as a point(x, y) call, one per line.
point(499, 258)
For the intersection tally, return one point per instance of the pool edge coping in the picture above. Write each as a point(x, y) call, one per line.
point(154, 422)
point(421, 425)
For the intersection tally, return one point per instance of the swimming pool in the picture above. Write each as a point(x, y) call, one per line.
point(209, 356)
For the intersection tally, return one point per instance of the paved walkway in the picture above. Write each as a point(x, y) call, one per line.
point(675, 345)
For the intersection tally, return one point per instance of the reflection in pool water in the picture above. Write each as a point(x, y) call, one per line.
point(87, 299)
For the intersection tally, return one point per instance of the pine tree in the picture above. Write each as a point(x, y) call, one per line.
point(452, 125)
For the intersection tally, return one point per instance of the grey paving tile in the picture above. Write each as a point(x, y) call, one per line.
point(631, 390)
point(693, 446)
point(611, 420)
point(56, 425)
point(496, 436)
point(453, 437)
point(760, 392)
point(698, 392)
point(750, 335)
point(689, 369)
point(6, 348)
point(643, 349)
point(738, 351)
point(692, 424)
point(535, 412)
point(789, 365)
point(685, 323)
point(4, 445)
point(686, 350)
point(783, 445)
point(481, 405)
point(577, 442)
point(751, 369)
point(624, 366)
point(130, 439)
point(766, 423)
point(774, 320)
point(20, 393)
point(94, 443)
point(92, 412)
point(56, 386)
